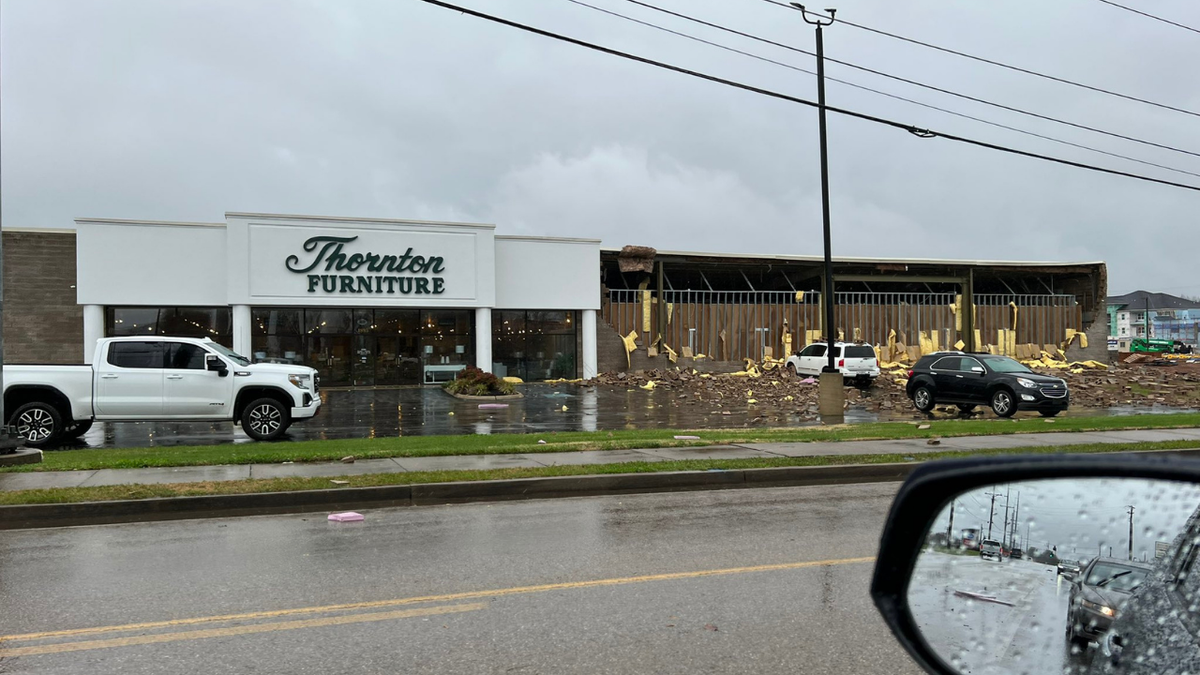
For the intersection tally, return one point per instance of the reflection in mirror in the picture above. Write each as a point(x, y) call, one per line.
point(1084, 575)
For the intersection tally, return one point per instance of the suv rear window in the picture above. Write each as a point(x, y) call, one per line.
point(860, 352)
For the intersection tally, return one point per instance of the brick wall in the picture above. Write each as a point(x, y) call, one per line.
point(42, 323)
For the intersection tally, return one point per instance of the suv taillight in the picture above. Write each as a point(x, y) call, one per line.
point(910, 373)
point(841, 363)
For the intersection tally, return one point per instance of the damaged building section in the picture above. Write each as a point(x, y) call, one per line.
point(712, 311)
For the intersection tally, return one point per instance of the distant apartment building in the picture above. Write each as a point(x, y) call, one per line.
point(1155, 315)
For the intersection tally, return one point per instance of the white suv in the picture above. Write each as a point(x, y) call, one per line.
point(856, 362)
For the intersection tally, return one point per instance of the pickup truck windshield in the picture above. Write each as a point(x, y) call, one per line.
point(230, 354)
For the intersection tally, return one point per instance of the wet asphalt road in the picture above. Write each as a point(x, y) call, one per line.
point(798, 618)
point(1023, 632)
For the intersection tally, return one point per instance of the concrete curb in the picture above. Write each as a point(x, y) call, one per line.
point(175, 508)
point(29, 516)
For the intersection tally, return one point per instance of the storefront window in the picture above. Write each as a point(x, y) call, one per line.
point(210, 322)
point(534, 345)
point(366, 347)
point(329, 321)
point(445, 343)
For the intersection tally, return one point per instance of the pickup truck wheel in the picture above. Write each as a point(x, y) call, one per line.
point(78, 429)
point(39, 424)
point(265, 419)
point(923, 398)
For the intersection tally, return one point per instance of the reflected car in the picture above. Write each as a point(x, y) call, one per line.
point(991, 549)
point(1068, 568)
point(1158, 629)
point(1098, 594)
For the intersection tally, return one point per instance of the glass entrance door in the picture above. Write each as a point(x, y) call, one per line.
point(397, 360)
point(362, 369)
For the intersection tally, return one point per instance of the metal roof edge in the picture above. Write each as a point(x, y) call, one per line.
point(350, 219)
point(155, 223)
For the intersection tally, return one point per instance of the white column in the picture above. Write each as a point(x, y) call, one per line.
point(483, 339)
point(588, 326)
point(93, 329)
point(241, 330)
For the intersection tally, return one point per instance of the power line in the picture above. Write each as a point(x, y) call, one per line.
point(1146, 14)
point(1000, 64)
point(917, 131)
point(870, 89)
point(916, 83)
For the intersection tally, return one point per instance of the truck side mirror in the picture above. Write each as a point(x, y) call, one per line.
point(214, 363)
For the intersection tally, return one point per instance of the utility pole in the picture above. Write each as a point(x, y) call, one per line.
point(1004, 542)
point(1131, 533)
point(832, 392)
point(950, 527)
point(992, 511)
point(1016, 526)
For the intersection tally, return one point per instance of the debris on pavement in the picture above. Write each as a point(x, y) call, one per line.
point(983, 598)
point(765, 386)
point(348, 459)
point(339, 482)
point(346, 517)
point(687, 438)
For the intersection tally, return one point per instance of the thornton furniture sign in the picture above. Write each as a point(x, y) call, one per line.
point(326, 264)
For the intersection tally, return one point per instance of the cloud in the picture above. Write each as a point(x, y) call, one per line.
point(184, 110)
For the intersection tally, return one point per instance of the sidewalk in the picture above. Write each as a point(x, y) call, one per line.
point(196, 474)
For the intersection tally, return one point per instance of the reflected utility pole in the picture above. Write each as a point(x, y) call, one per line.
point(950, 527)
point(1131, 533)
point(1004, 539)
point(992, 511)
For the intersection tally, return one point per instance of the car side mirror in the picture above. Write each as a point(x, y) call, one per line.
point(949, 607)
point(214, 363)
point(978, 370)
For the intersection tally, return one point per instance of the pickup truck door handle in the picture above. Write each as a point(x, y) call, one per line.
point(109, 376)
point(174, 377)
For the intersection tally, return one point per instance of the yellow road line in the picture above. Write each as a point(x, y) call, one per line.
point(449, 597)
point(251, 629)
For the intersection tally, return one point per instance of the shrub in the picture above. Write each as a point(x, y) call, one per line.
point(475, 382)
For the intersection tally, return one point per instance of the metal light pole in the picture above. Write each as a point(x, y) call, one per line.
point(832, 394)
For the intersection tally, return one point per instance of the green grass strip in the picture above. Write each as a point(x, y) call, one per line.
point(118, 492)
point(430, 446)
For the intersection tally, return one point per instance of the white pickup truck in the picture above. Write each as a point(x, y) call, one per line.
point(157, 378)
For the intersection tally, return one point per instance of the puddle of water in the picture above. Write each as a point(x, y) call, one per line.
point(420, 411)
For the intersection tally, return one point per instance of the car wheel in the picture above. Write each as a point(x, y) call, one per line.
point(78, 429)
point(792, 369)
point(38, 424)
point(1003, 404)
point(923, 399)
point(964, 408)
point(1049, 413)
point(265, 419)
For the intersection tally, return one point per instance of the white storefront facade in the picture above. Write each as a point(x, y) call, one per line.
point(368, 302)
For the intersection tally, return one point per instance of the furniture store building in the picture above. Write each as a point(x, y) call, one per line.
point(366, 302)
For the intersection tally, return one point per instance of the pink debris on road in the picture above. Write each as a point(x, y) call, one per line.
point(488, 406)
point(347, 517)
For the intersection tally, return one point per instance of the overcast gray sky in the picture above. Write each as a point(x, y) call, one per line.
point(394, 108)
